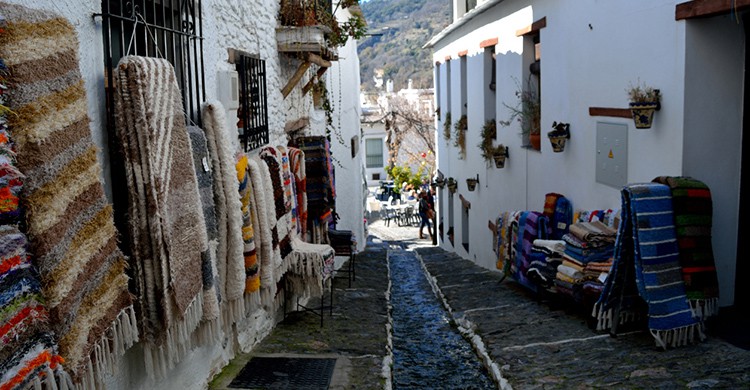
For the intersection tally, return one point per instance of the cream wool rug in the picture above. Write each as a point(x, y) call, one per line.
point(71, 232)
point(167, 227)
point(230, 260)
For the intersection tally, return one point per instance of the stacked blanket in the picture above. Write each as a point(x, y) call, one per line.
point(69, 223)
point(532, 225)
point(546, 257)
point(647, 256)
point(692, 219)
point(589, 241)
point(167, 227)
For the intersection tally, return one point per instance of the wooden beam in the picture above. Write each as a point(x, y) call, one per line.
point(465, 202)
point(611, 112)
point(295, 79)
point(488, 42)
point(532, 28)
point(704, 8)
point(318, 60)
point(293, 126)
point(492, 227)
point(310, 82)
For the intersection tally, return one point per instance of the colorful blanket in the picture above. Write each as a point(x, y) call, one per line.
point(69, 223)
point(261, 199)
point(647, 255)
point(252, 266)
point(692, 218)
point(321, 192)
point(297, 166)
point(595, 233)
point(531, 226)
point(561, 219)
point(167, 228)
point(230, 262)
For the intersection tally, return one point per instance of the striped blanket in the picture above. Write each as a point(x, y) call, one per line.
point(69, 223)
point(531, 226)
point(692, 215)
point(167, 227)
point(646, 254)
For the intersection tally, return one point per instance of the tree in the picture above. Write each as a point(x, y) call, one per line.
point(411, 134)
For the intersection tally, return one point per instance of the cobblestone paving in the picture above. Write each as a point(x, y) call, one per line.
point(428, 352)
point(540, 347)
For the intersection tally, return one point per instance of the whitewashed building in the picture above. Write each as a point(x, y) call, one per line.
point(581, 56)
point(221, 33)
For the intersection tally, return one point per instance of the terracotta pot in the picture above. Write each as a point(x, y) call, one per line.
point(535, 140)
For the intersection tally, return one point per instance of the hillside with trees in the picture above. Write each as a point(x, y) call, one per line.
point(397, 54)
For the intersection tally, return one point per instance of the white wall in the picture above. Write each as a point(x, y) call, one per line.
point(343, 82)
point(715, 69)
point(370, 131)
point(591, 52)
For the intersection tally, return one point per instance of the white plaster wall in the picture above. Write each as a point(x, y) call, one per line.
point(715, 69)
point(591, 51)
point(343, 84)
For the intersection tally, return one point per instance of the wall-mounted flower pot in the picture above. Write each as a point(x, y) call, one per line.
point(535, 140)
point(559, 136)
point(452, 185)
point(439, 182)
point(472, 182)
point(643, 113)
point(500, 156)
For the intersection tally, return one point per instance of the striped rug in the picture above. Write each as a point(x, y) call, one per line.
point(646, 254)
point(69, 221)
point(167, 227)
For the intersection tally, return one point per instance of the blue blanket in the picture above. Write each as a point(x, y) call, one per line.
point(646, 251)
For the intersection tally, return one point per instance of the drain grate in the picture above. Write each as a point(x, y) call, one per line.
point(285, 373)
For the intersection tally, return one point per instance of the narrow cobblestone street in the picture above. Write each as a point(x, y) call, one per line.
point(493, 334)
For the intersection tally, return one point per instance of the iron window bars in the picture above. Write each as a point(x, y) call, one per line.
point(169, 29)
point(253, 111)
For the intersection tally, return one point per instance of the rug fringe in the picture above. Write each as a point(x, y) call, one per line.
point(159, 359)
point(605, 317)
point(678, 337)
point(252, 302)
point(232, 312)
point(704, 308)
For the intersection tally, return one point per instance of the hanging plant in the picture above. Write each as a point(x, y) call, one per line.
point(644, 100)
point(447, 126)
point(489, 151)
point(460, 142)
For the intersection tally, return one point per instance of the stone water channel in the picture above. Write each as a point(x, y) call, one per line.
point(428, 351)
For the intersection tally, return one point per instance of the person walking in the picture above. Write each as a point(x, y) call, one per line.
point(425, 214)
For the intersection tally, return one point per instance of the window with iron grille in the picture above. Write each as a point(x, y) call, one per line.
point(169, 29)
point(253, 111)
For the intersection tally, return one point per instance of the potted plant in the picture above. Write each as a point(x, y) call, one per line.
point(472, 182)
point(452, 185)
point(447, 126)
point(644, 100)
point(460, 142)
point(527, 111)
point(496, 153)
point(559, 135)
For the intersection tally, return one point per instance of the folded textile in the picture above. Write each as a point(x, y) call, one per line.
point(561, 219)
point(569, 271)
point(646, 251)
point(167, 227)
point(69, 222)
point(595, 233)
point(555, 246)
point(531, 226)
point(693, 207)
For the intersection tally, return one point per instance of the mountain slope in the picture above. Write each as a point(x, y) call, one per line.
point(406, 26)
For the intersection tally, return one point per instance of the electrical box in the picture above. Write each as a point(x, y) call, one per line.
point(229, 89)
point(612, 154)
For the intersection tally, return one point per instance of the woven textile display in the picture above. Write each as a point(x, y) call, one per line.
point(297, 166)
point(321, 192)
point(167, 227)
point(646, 254)
point(692, 204)
point(229, 259)
point(252, 266)
point(260, 201)
point(69, 223)
point(28, 351)
point(201, 162)
point(531, 226)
